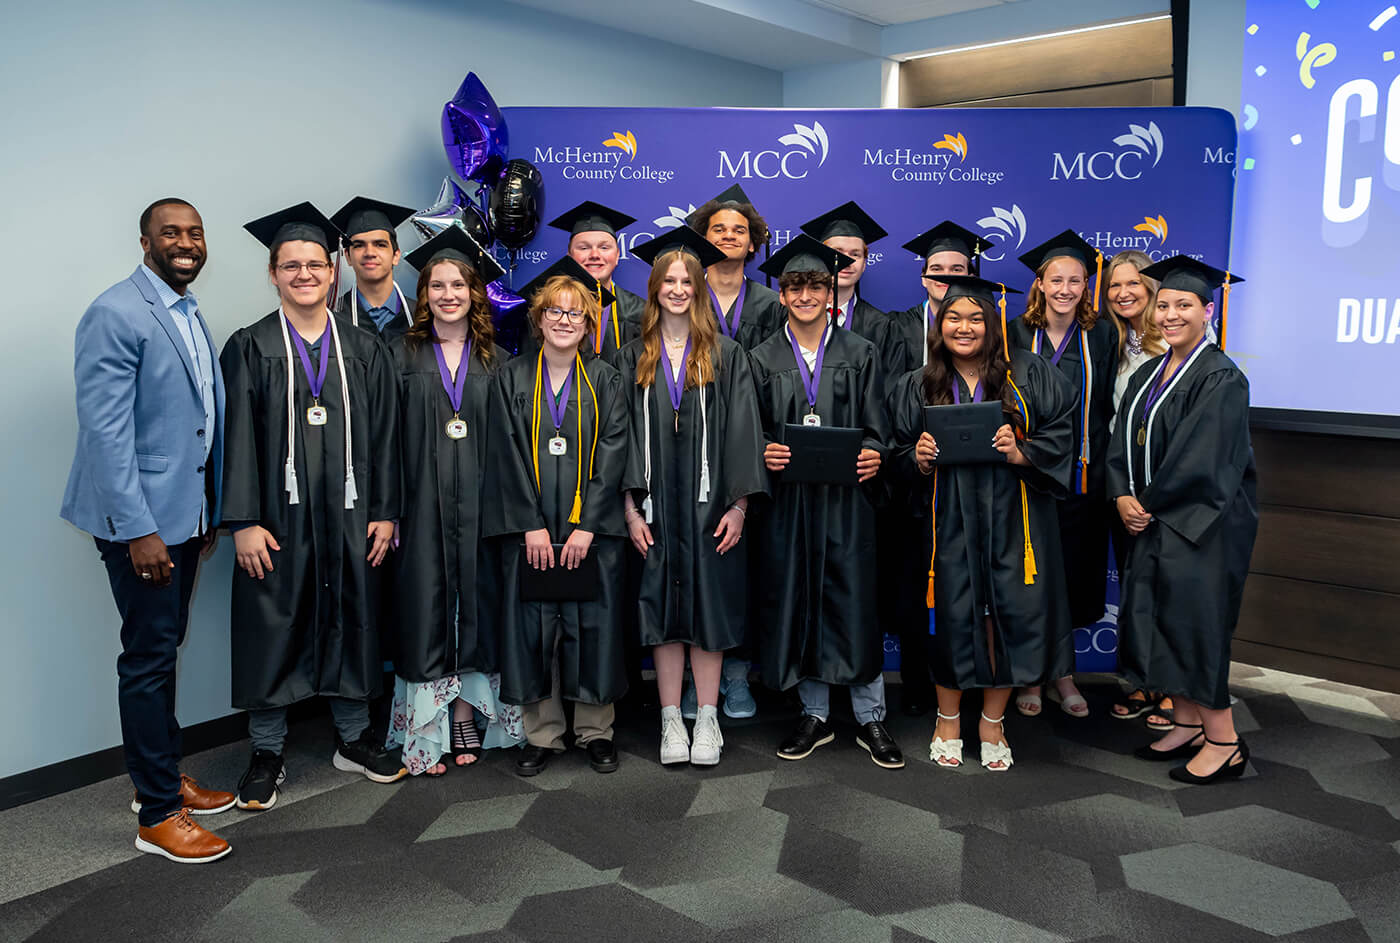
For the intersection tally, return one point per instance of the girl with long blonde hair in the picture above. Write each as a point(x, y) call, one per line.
point(696, 457)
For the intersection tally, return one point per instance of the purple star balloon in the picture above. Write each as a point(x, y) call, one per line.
point(474, 132)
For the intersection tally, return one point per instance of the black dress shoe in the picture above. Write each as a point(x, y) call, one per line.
point(532, 760)
point(876, 740)
point(810, 734)
point(1189, 748)
point(601, 756)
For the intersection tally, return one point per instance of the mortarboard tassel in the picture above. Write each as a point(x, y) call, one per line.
point(1005, 347)
point(1098, 280)
point(1224, 309)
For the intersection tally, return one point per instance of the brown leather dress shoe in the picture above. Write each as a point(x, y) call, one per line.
point(197, 799)
point(179, 838)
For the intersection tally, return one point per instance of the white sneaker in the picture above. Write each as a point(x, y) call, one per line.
point(708, 740)
point(675, 741)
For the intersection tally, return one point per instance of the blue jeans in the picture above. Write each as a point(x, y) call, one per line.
point(268, 727)
point(154, 619)
point(867, 700)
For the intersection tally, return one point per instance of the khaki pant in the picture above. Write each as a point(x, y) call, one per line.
point(544, 720)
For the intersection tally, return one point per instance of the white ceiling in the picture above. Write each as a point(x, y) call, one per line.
point(893, 12)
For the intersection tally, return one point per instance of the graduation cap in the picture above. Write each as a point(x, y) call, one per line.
point(686, 240)
point(947, 236)
point(592, 217)
point(848, 219)
point(363, 214)
point(454, 242)
point(303, 222)
point(1183, 273)
point(805, 254)
point(731, 198)
point(1070, 245)
point(567, 266)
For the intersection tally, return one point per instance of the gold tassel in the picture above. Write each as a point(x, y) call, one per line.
point(933, 509)
point(1224, 309)
point(577, 512)
point(1029, 562)
point(1098, 280)
point(1005, 345)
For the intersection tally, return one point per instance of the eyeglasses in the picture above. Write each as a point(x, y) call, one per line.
point(315, 267)
point(559, 314)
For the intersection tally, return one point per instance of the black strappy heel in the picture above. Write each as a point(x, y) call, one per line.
point(1226, 770)
point(465, 740)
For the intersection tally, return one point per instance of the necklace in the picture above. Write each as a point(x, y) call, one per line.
point(676, 341)
point(1134, 342)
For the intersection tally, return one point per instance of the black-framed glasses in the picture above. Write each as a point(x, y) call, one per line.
point(559, 314)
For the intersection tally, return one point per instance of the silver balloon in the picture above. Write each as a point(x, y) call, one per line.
point(452, 208)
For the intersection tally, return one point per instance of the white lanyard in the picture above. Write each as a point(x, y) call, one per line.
point(1147, 421)
point(355, 306)
point(290, 469)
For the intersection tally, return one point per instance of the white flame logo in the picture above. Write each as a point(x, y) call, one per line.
point(1004, 226)
point(675, 217)
point(1148, 140)
point(813, 140)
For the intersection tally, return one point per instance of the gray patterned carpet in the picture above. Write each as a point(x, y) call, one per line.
point(1078, 842)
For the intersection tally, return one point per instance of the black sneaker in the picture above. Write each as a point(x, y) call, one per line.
point(367, 757)
point(810, 734)
point(257, 790)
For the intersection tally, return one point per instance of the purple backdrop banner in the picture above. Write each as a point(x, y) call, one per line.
point(1155, 179)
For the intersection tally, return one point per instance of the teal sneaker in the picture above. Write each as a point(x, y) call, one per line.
point(689, 703)
point(738, 699)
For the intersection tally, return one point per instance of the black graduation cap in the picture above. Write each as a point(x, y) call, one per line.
point(1183, 273)
point(848, 219)
point(805, 254)
point(454, 242)
point(363, 214)
point(567, 266)
point(731, 197)
point(970, 286)
point(947, 236)
point(302, 222)
point(683, 238)
point(592, 217)
point(1068, 244)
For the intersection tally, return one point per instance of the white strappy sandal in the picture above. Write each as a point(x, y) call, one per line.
point(946, 753)
point(996, 752)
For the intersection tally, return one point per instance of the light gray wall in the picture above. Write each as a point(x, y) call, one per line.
point(240, 108)
point(1215, 58)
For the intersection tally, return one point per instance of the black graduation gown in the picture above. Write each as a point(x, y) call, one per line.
point(877, 327)
point(629, 325)
point(1084, 522)
point(447, 579)
point(591, 633)
point(1186, 573)
point(815, 605)
point(911, 326)
point(980, 563)
point(308, 627)
point(395, 328)
point(761, 315)
point(689, 592)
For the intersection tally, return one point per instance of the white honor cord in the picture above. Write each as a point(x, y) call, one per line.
point(1147, 421)
point(704, 495)
point(646, 450)
point(355, 305)
point(290, 469)
point(1088, 394)
point(925, 332)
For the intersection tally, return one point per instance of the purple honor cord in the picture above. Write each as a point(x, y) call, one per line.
point(1062, 346)
point(453, 386)
point(675, 383)
point(730, 329)
point(558, 404)
point(957, 392)
point(810, 381)
point(1158, 385)
point(317, 380)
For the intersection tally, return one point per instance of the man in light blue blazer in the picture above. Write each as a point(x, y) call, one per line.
point(145, 484)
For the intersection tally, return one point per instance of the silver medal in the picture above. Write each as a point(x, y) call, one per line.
point(456, 429)
point(558, 445)
point(316, 415)
point(811, 419)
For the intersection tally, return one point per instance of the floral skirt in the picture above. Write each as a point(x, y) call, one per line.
point(422, 717)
